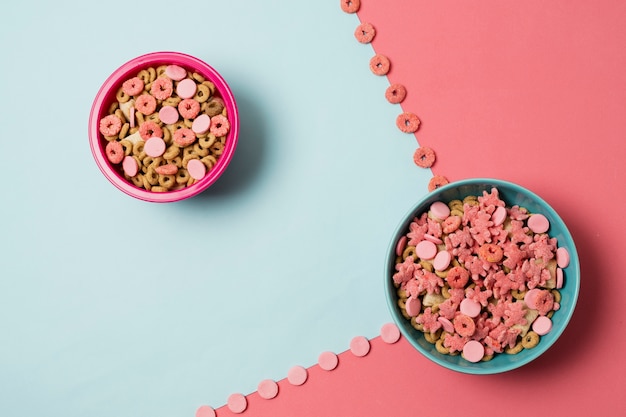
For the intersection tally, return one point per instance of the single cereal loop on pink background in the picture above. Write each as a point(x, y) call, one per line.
point(168, 115)
point(350, 6)
point(205, 411)
point(442, 260)
point(538, 223)
point(186, 88)
point(189, 108)
point(146, 104)
point(470, 307)
point(380, 64)
point(162, 88)
point(297, 375)
point(237, 403)
point(133, 86)
point(408, 122)
point(267, 389)
point(365, 32)
point(110, 125)
point(426, 249)
point(114, 152)
point(175, 72)
point(436, 182)
point(196, 169)
point(184, 137)
point(154, 147)
point(201, 124)
point(149, 129)
point(395, 93)
point(562, 257)
point(130, 166)
point(401, 245)
point(559, 278)
point(328, 360)
point(219, 125)
point(424, 157)
point(440, 210)
point(359, 346)
point(498, 216)
point(542, 325)
point(413, 306)
point(390, 333)
point(473, 351)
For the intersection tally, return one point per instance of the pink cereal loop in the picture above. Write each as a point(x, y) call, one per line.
point(365, 32)
point(162, 88)
point(149, 129)
point(350, 6)
point(184, 137)
point(189, 108)
point(110, 125)
point(395, 93)
point(424, 157)
point(380, 64)
point(146, 104)
point(133, 86)
point(219, 125)
point(114, 152)
point(408, 122)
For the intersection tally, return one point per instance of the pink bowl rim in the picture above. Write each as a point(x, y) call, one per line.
point(103, 98)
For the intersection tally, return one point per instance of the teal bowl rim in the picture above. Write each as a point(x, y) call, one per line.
point(501, 362)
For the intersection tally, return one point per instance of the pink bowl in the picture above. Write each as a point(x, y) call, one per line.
point(106, 96)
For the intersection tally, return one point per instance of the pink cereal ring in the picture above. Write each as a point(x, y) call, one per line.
point(110, 125)
point(162, 88)
point(146, 104)
point(186, 88)
point(464, 325)
point(365, 32)
point(544, 302)
point(175, 72)
point(114, 152)
point(350, 6)
point(457, 277)
point(167, 169)
point(189, 108)
point(395, 93)
point(219, 125)
point(149, 129)
point(424, 157)
point(133, 87)
point(451, 224)
point(184, 137)
point(379, 64)
point(408, 122)
point(437, 181)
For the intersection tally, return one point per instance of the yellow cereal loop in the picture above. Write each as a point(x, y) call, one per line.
point(121, 96)
point(144, 75)
point(119, 113)
point(146, 183)
point(139, 117)
point(167, 181)
point(427, 265)
point(402, 303)
point(456, 212)
point(199, 78)
point(487, 358)
point(518, 295)
point(188, 123)
point(432, 337)
point(151, 176)
point(200, 151)
point(210, 85)
point(114, 106)
point(515, 349)
point(125, 129)
point(207, 141)
point(409, 251)
point(188, 150)
point(167, 137)
point(178, 161)
point(137, 180)
point(213, 108)
point(111, 138)
point(209, 161)
point(160, 70)
point(189, 157)
point(557, 296)
point(171, 152)
point(182, 176)
point(159, 189)
point(530, 340)
point(152, 74)
point(138, 148)
point(127, 146)
point(440, 347)
point(172, 101)
point(154, 117)
point(217, 148)
point(416, 325)
point(202, 93)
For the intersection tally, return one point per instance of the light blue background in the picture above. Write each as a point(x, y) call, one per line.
point(113, 306)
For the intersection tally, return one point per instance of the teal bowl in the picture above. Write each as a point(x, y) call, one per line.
point(512, 194)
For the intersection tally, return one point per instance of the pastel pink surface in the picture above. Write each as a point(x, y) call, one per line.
point(552, 79)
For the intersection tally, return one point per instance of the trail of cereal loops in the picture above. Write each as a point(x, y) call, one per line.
point(328, 361)
point(407, 122)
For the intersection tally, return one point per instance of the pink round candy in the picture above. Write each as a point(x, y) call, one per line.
point(442, 260)
point(559, 278)
point(328, 361)
point(499, 216)
point(470, 307)
point(538, 223)
point(237, 403)
point(297, 375)
point(205, 411)
point(154, 147)
point(446, 324)
point(359, 346)
point(130, 166)
point(168, 115)
point(426, 249)
point(201, 124)
point(413, 306)
point(401, 245)
point(542, 325)
point(390, 333)
point(531, 298)
point(473, 351)
point(196, 169)
point(433, 239)
point(267, 389)
point(440, 210)
point(186, 88)
point(175, 72)
point(562, 257)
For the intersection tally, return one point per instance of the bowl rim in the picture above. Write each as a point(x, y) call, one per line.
point(478, 368)
point(103, 98)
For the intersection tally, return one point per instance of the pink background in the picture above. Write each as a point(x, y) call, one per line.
point(532, 92)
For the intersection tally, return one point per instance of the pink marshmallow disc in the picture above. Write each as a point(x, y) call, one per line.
point(168, 115)
point(440, 210)
point(559, 278)
point(499, 216)
point(401, 245)
point(201, 124)
point(470, 307)
point(205, 411)
point(297, 375)
point(196, 169)
point(426, 249)
point(542, 325)
point(413, 306)
point(154, 147)
point(538, 223)
point(130, 166)
point(237, 403)
point(562, 257)
point(442, 260)
point(327, 361)
point(473, 351)
point(531, 298)
point(175, 72)
point(390, 333)
point(446, 324)
point(359, 346)
point(433, 239)
point(186, 88)
point(267, 389)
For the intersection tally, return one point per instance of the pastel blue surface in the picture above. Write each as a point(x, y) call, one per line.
point(113, 306)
